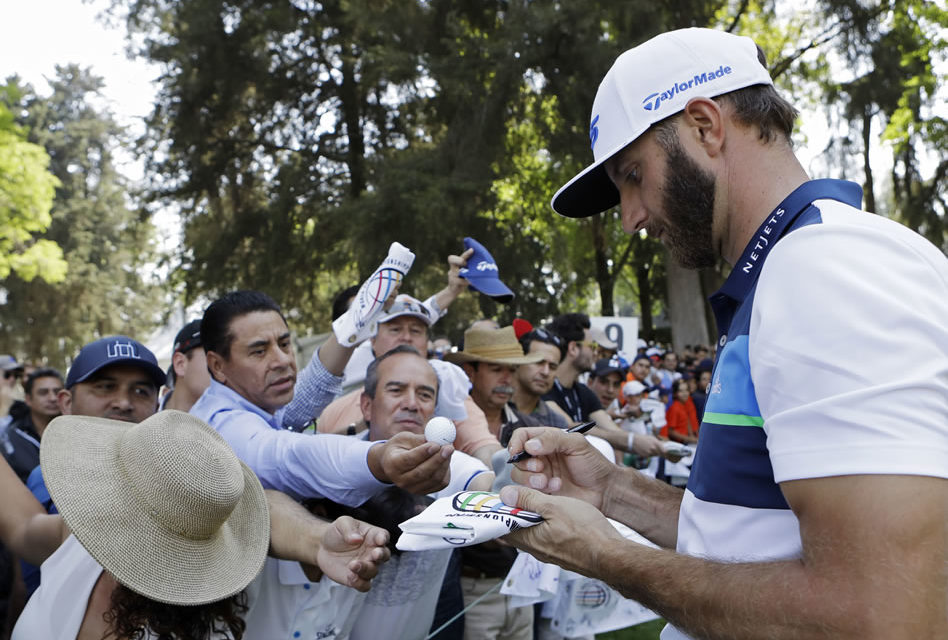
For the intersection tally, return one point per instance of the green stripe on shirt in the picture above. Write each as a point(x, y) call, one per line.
point(733, 419)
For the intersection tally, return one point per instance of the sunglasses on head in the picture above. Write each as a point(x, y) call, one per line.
point(408, 306)
point(545, 336)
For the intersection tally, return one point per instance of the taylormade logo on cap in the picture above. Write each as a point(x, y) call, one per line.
point(486, 266)
point(654, 101)
point(649, 83)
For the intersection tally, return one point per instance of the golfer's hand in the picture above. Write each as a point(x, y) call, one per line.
point(562, 463)
point(572, 533)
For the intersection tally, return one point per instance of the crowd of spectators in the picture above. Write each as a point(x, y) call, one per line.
point(330, 460)
point(240, 496)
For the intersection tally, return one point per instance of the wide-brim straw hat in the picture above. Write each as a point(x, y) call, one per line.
point(494, 346)
point(164, 506)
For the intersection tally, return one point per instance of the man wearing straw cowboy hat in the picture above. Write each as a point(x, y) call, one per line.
point(490, 358)
point(162, 529)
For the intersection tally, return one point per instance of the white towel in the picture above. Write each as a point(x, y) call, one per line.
point(577, 606)
point(466, 518)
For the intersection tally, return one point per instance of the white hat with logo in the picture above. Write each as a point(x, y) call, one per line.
point(649, 83)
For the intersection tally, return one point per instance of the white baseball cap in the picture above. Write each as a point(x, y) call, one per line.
point(405, 305)
point(650, 83)
point(633, 388)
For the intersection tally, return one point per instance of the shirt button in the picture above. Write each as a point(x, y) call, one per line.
point(296, 634)
point(306, 586)
point(723, 340)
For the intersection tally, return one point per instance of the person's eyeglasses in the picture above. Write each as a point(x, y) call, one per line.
point(11, 374)
point(592, 344)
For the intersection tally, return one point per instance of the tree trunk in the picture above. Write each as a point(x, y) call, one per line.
point(351, 108)
point(604, 276)
point(867, 187)
point(685, 306)
point(645, 300)
point(711, 280)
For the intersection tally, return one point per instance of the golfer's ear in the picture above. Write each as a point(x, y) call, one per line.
point(703, 121)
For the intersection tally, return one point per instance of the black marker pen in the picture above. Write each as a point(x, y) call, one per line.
point(582, 427)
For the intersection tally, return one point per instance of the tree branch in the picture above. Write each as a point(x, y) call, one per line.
point(737, 18)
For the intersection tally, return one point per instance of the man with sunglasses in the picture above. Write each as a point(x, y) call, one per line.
point(578, 400)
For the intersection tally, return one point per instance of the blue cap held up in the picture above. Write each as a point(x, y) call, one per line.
point(481, 272)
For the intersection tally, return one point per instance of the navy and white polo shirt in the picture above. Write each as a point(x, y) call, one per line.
point(832, 360)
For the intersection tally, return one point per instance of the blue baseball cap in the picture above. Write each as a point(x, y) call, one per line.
point(113, 350)
point(481, 273)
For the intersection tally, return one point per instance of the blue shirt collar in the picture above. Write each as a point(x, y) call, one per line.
point(220, 397)
point(745, 272)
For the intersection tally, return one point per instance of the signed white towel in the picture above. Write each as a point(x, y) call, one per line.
point(466, 518)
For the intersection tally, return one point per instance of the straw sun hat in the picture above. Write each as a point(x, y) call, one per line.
point(494, 346)
point(164, 506)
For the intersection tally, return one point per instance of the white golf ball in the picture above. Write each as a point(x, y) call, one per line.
point(440, 431)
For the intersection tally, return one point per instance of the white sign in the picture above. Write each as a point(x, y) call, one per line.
point(622, 331)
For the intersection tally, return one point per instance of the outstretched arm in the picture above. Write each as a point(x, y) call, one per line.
point(456, 284)
point(873, 563)
point(320, 382)
point(612, 433)
point(349, 551)
point(25, 527)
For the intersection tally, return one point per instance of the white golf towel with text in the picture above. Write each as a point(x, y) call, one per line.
point(466, 518)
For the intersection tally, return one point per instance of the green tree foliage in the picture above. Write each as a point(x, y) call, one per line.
point(299, 139)
point(26, 196)
point(303, 137)
point(892, 49)
point(106, 243)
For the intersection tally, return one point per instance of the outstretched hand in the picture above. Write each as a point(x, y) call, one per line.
point(410, 462)
point(352, 552)
point(647, 446)
point(563, 463)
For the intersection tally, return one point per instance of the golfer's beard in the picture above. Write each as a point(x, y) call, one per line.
point(689, 207)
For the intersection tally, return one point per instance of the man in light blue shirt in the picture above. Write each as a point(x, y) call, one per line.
point(254, 378)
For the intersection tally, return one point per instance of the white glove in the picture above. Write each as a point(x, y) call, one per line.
point(358, 323)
